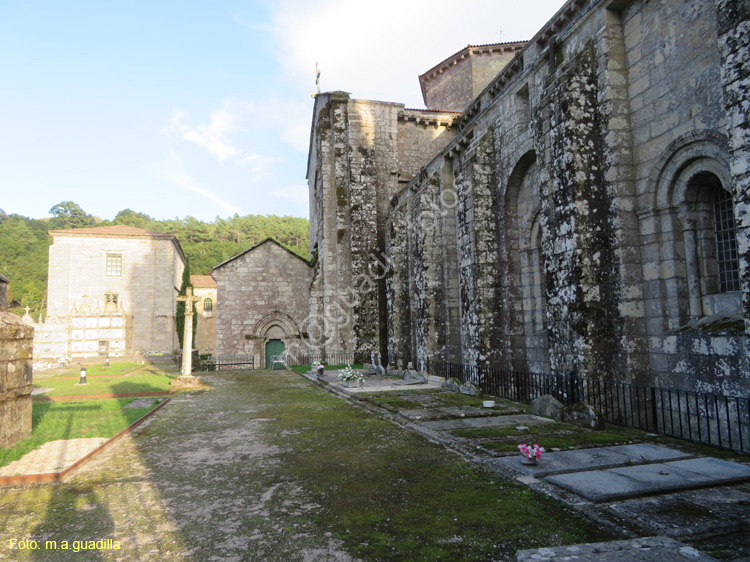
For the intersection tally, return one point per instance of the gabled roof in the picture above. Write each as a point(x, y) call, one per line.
point(203, 282)
point(455, 58)
point(279, 244)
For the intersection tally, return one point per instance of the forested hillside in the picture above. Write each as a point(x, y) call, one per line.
point(24, 243)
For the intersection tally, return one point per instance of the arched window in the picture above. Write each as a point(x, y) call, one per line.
point(208, 305)
point(710, 236)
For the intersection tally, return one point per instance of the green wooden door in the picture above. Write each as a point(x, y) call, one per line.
point(273, 347)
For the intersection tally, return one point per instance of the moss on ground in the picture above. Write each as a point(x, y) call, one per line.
point(267, 466)
point(388, 494)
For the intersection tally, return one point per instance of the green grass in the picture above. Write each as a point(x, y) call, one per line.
point(137, 382)
point(99, 369)
point(548, 435)
point(52, 421)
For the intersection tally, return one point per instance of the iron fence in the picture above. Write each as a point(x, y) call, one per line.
point(713, 419)
point(329, 358)
point(228, 362)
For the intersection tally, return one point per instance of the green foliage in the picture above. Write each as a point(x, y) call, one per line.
point(69, 215)
point(180, 313)
point(24, 243)
point(24, 247)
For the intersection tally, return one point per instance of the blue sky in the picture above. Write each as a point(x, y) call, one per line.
point(203, 109)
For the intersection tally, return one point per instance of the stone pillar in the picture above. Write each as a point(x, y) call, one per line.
point(16, 344)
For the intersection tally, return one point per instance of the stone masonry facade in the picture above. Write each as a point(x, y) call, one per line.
point(16, 342)
point(204, 287)
point(586, 213)
point(111, 291)
point(262, 295)
point(361, 154)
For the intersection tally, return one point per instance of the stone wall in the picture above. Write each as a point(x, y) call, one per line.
point(456, 81)
point(262, 294)
point(16, 342)
point(579, 195)
point(142, 319)
point(361, 153)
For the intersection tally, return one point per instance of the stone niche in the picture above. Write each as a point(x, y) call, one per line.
point(16, 342)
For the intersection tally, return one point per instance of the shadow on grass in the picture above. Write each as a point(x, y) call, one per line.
point(87, 522)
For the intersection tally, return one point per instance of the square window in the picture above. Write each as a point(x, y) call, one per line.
point(114, 265)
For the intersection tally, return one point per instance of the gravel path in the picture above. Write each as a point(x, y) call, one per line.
point(195, 482)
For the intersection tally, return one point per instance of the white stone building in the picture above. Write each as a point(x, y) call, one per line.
point(111, 291)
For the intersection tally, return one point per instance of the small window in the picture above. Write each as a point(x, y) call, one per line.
point(112, 298)
point(114, 265)
point(208, 305)
point(726, 242)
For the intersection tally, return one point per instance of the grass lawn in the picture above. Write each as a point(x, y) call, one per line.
point(105, 385)
point(73, 420)
point(99, 369)
point(107, 381)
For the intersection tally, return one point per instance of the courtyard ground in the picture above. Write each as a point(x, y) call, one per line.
point(268, 466)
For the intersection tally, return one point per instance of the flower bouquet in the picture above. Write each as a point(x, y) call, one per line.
point(348, 375)
point(530, 453)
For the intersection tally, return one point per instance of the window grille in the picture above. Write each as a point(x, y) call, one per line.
point(726, 242)
point(114, 265)
point(208, 305)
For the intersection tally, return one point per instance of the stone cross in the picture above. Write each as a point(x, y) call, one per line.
point(187, 338)
point(27, 309)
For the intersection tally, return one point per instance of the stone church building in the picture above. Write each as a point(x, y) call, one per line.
point(263, 302)
point(575, 203)
point(111, 292)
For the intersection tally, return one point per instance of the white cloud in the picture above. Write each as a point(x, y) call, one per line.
point(378, 53)
point(213, 136)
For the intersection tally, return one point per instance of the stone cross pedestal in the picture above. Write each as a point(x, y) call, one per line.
point(186, 378)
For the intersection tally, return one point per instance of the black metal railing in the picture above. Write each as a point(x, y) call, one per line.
point(329, 358)
point(713, 419)
point(230, 361)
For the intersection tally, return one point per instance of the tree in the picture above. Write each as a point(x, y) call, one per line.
point(180, 313)
point(69, 215)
